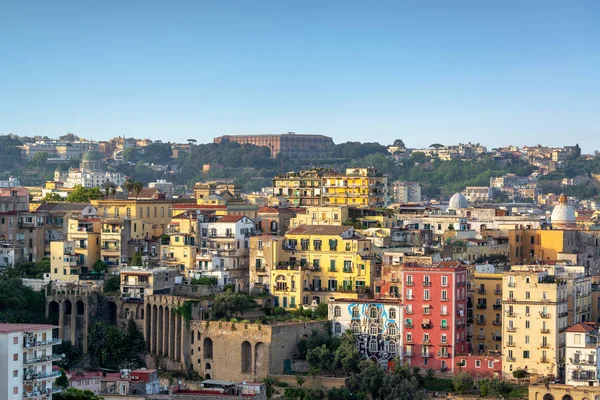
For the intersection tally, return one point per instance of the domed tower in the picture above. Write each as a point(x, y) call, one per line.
point(458, 201)
point(563, 215)
point(92, 161)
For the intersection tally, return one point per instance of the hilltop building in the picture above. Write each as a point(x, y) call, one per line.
point(289, 144)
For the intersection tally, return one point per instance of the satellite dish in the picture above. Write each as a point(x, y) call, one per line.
point(63, 356)
point(28, 377)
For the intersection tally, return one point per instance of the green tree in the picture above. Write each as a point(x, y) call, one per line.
point(230, 304)
point(20, 303)
point(72, 354)
point(62, 381)
point(137, 188)
point(39, 159)
point(520, 374)
point(100, 266)
point(76, 394)
point(112, 284)
point(52, 197)
point(369, 380)
point(321, 359)
point(345, 357)
point(462, 382)
point(136, 259)
point(204, 280)
point(81, 194)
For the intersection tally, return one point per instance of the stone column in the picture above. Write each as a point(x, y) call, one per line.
point(172, 336)
point(61, 320)
point(166, 329)
point(159, 335)
point(74, 323)
point(153, 311)
point(86, 323)
point(180, 335)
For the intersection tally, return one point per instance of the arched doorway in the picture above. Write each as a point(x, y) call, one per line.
point(548, 396)
point(53, 312)
point(259, 356)
point(208, 348)
point(112, 312)
point(80, 307)
point(246, 356)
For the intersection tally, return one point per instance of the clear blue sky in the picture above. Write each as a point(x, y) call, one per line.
point(495, 72)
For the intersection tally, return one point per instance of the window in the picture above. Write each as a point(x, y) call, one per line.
point(409, 279)
point(444, 295)
point(117, 212)
point(490, 364)
point(392, 313)
point(259, 244)
point(304, 244)
point(373, 329)
point(347, 266)
point(527, 295)
point(333, 244)
point(444, 281)
point(373, 346)
point(392, 330)
point(392, 347)
point(373, 312)
point(409, 337)
point(16, 373)
point(128, 212)
point(525, 353)
point(426, 294)
point(332, 265)
point(526, 339)
point(16, 390)
point(356, 329)
point(317, 244)
point(477, 363)
point(355, 313)
point(337, 311)
point(577, 338)
point(337, 327)
point(444, 338)
point(526, 324)
point(15, 357)
point(16, 340)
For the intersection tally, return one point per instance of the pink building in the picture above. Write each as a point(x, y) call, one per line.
point(435, 300)
point(14, 199)
point(481, 365)
point(85, 380)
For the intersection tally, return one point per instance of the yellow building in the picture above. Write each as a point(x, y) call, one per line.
point(486, 294)
point(156, 212)
point(360, 187)
point(64, 264)
point(535, 318)
point(116, 235)
point(182, 249)
point(300, 188)
point(321, 215)
point(316, 263)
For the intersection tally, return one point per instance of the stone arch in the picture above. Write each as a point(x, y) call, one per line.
point(139, 311)
point(208, 348)
point(259, 357)
point(112, 312)
point(207, 367)
point(67, 307)
point(159, 337)
point(207, 376)
point(548, 396)
point(153, 328)
point(53, 312)
point(246, 356)
point(80, 307)
point(567, 397)
point(147, 325)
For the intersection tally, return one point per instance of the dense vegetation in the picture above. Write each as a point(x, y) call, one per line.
point(111, 348)
point(20, 303)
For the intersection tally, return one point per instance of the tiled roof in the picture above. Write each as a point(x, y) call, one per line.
point(319, 230)
point(580, 327)
point(230, 218)
point(10, 328)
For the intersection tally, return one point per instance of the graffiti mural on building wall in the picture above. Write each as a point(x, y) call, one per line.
point(377, 332)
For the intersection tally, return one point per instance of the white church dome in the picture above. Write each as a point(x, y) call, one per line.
point(563, 214)
point(458, 201)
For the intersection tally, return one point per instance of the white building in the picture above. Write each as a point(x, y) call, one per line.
point(163, 186)
point(90, 173)
point(375, 324)
point(10, 183)
point(224, 246)
point(477, 193)
point(406, 192)
point(137, 282)
point(26, 361)
point(581, 356)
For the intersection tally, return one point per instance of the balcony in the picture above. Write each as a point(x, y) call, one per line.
point(583, 377)
point(544, 360)
point(39, 376)
point(545, 330)
point(48, 358)
point(409, 325)
point(512, 284)
point(480, 337)
point(497, 306)
point(497, 338)
point(426, 283)
point(511, 314)
point(511, 344)
point(510, 359)
point(443, 313)
point(498, 292)
point(545, 346)
point(408, 283)
point(482, 306)
point(425, 355)
point(444, 299)
point(42, 392)
point(511, 329)
point(480, 321)
point(444, 327)
point(51, 342)
point(481, 291)
point(497, 323)
point(443, 355)
point(584, 362)
point(544, 315)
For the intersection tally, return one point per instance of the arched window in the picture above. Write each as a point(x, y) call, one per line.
point(337, 327)
point(147, 212)
point(392, 313)
point(373, 329)
point(128, 212)
point(567, 397)
point(162, 212)
point(356, 329)
point(374, 312)
point(373, 346)
point(337, 311)
point(548, 396)
point(280, 283)
point(355, 313)
point(392, 347)
point(105, 212)
point(392, 329)
point(116, 211)
point(141, 213)
point(155, 212)
point(246, 356)
point(208, 348)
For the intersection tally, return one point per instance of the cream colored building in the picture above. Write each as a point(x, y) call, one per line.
point(324, 215)
point(534, 319)
point(582, 350)
point(137, 282)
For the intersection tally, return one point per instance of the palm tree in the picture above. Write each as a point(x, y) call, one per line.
point(128, 185)
point(137, 188)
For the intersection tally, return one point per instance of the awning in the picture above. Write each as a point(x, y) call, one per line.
point(426, 305)
point(426, 321)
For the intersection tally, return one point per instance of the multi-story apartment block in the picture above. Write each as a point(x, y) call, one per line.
point(154, 212)
point(26, 361)
point(435, 300)
point(485, 304)
point(315, 263)
point(376, 326)
point(477, 193)
point(137, 282)
point(360, 187)
point(225, 249)
point(275, 221)
point(406, 192)
point(25, 232)
point(289, 144)
point(300, 188)
point(65, 264)
point(535, 317)
point(582, 363)
point(14, 199)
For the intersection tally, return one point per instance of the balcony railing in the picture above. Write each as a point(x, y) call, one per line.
point(425, 355)
point(544, 314)
point(498, 291)
point(426, 283)
point(497, 323)
point(481, 291)
point(37, 376)
point(511, 344)
point(51, 342)
point(409, 354)
point(545, 345)
point(497, 306)
point(497, 338)
point(510, 359)
point(482, 306)
point(545, 330)
point(444, 355)
point(480, 321)
point(38, 360)
point(544, 360)
point(583, 377)
point(511, 329)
